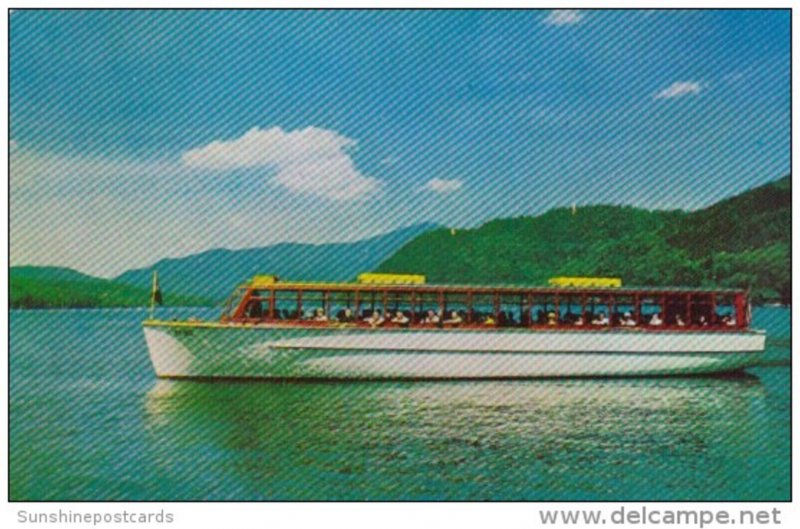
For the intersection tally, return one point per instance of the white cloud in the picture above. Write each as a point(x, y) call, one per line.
point(312, 160)
point(115, 213)
point(438, 185)
point(679, 89)
point(563, 17)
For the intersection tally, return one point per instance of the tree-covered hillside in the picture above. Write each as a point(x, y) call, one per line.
point(205, 278)
point(214, 274)
point(744, 241)
point(53, 287)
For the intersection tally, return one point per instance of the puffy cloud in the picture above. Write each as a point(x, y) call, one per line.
point(679, 89)
point(313, 161)
point(438, 185)
point(563, 17)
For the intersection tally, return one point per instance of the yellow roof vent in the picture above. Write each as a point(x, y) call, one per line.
point(262, 281)
point(583, 282)
point(391, 279)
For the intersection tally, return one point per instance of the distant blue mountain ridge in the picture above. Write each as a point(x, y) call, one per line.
point(214, 273)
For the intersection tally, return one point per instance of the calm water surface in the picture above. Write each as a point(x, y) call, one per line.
point(89, 421)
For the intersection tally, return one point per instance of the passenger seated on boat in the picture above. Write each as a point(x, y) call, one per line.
point(627, 320)
point(679, 321)
point(489, 320)
point(431, 318)
point(319, 315)
point(729, 321)
point(455, 319)
point(656, 320)
point(702, 321)
point(552, 319)
point(401, 319)
point(375, 319)
point(601, 319)
point(579, 321)
point(346, 316)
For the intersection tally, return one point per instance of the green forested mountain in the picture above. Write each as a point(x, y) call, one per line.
point(744, 241)
point(54, 287)
point(205, 278)
point(215, 273)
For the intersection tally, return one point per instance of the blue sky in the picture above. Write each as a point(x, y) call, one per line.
point(138, 135)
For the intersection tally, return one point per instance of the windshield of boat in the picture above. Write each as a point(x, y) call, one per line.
point(233, 301)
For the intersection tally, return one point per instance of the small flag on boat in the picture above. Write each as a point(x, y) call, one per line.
point(156, 295)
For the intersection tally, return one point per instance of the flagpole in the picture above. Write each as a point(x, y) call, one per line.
point(153, 294)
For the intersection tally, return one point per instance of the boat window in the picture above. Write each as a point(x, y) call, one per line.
point(233, 302)
point(676, 311)
point(339, 303)
point(286, 305)
point(254, 310)
point(701, 309)
point(625, 313)
point(598, 310)
point(258, 305)
point(373, 301)
point(652, 310)
point(512, 308)
point(426, 303)
point(541, 306)
point(570, 308)
point(316, 305)
point(455, 308)
point(483, 310)
point(400, 302)
point(725, 310)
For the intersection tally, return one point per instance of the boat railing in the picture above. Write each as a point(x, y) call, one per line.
point(333, 323)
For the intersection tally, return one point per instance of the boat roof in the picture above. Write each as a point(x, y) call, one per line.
point(487, 289)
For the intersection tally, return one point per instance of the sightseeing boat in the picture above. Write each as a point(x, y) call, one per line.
point(398, 326)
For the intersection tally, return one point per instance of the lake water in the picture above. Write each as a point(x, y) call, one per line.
point(89, 421)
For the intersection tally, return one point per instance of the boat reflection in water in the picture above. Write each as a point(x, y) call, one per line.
point(623, 439)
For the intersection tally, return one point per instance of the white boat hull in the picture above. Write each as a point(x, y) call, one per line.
point(213, 350)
